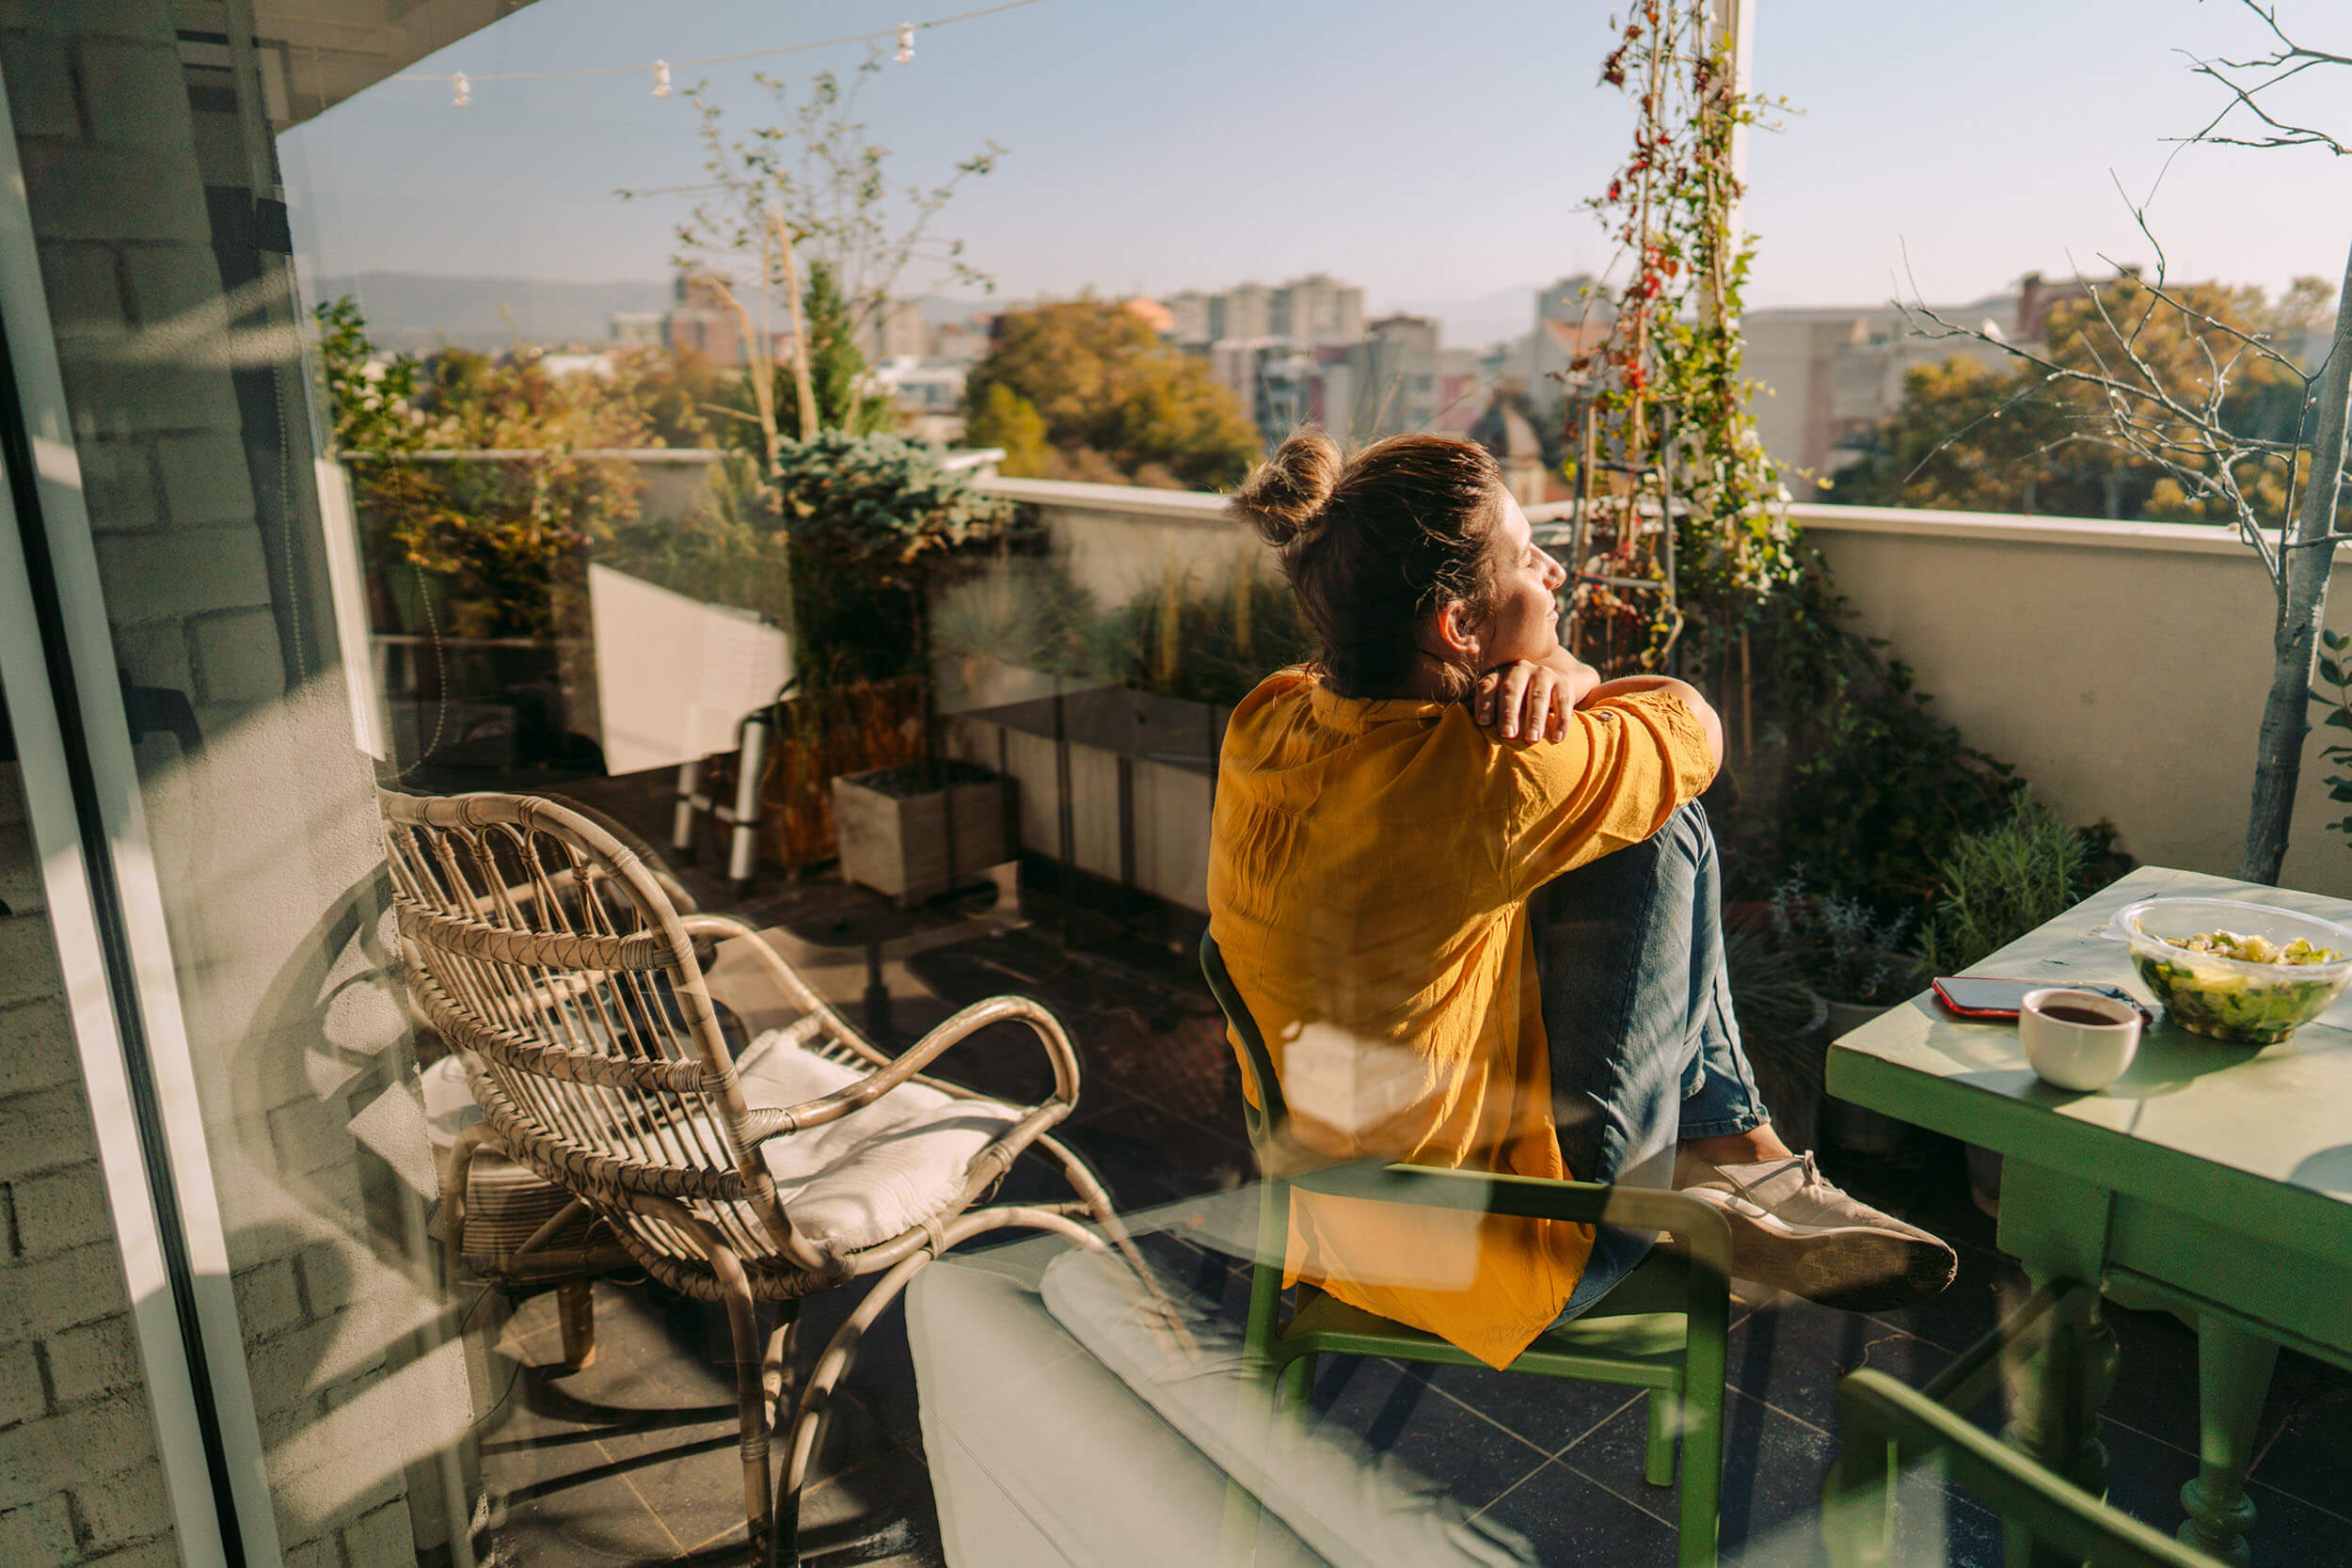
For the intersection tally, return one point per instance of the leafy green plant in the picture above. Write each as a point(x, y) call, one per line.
point(1213, 643)
point(1672, 359)
point(370, 403)
point(1998, 884)
point(1835, 761)
point(1025, 610)
point(874, 523)
point(1848, 951)
point(727, 552)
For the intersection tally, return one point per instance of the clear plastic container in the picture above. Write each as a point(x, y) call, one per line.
point(2233, 999)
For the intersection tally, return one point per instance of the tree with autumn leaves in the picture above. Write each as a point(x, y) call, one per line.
point(1084, 390)
point(1973, 438)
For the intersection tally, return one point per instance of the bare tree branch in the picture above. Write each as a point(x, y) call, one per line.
point(2286, 62)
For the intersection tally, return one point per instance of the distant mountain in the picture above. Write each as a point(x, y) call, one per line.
point(421, 311)
point(424, 310)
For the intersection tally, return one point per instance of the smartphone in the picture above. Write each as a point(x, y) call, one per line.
point(1979, 996)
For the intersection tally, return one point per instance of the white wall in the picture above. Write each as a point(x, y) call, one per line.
point(2119, 667)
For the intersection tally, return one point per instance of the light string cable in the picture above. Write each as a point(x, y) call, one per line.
point(461, 83)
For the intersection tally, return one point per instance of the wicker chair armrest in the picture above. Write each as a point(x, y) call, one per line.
point(765, 1123)
point(799, 992)
point(1701, 1228)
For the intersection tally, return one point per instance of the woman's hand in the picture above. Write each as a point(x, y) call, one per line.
point(1524, 701)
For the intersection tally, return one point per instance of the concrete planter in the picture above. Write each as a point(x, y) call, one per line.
point(1117, 785)
point(915, 847)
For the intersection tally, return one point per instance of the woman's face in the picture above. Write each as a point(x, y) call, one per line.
point(1524, 621)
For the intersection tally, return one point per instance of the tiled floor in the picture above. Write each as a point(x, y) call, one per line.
point(632, 1460)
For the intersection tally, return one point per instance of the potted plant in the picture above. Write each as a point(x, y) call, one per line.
point(875, 524)
point(1852, 960)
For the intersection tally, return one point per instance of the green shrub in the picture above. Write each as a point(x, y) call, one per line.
point(1998, 884)
point(874, 522)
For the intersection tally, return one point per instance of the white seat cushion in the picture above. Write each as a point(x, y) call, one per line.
point(1354, 1508)
point(878, 1171)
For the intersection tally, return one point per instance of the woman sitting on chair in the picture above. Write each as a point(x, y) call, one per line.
point(1467, 890)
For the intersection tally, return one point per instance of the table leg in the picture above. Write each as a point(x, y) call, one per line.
point(2232, 1378)
point(2059, 1228)
point(2054, 1401)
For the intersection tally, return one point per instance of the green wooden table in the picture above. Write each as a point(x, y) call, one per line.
point(2212, 1180)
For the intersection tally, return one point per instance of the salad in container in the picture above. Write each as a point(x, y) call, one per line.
point(2249, 974)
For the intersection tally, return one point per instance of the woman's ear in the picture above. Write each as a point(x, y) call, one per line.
point(1453, 637)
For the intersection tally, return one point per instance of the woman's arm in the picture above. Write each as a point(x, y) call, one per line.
point(1627, 685)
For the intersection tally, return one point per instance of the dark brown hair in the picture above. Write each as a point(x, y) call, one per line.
point(1376, 544)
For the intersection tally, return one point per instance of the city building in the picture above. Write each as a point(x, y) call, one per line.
point(962, 341)
point(1189, 311)
point(1244, 310)
point(896, 331)
point(1318, 309)
point(1830, 375)
point(1272, 377)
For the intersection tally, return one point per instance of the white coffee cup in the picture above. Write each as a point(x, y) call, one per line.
point(2074, 1053)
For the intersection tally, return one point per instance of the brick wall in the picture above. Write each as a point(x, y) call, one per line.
point(265, 836)
point(79, 1477)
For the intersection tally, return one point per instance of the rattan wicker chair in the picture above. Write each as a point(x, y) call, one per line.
point(543, 950)
point(502, 1222)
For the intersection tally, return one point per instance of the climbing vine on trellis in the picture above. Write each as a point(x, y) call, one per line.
point(1668, 397)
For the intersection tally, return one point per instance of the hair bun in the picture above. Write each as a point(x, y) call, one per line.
point(1284, 499)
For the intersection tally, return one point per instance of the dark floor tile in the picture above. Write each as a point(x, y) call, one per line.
point(1194, 1276)
point(1574, 1522)
point(1550, 1412)
point(1987, 1289)
point(890, 1492)
point(2144, 1479)
point(881, 1376)
point(1772, 1468)
point(1933, 1525)
point(1791, 1353)
point(569, 1505)
point(1395, 1413)
point(2309, 1454)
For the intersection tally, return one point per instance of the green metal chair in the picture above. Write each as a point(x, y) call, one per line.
point(1662, 1328)
point(1885, 1428)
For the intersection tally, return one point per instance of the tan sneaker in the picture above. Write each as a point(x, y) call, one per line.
point(1793, 1230)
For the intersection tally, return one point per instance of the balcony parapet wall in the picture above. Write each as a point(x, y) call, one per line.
point(2119, 667)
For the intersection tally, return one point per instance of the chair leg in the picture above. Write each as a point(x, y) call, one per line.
point(808, 1418)
point(1701, 1407)
point(1097, 1199)
point(1659, 1460)
point(776, 1362)
point(751, 1402)
point(576, 1315)
point(1295, 1389)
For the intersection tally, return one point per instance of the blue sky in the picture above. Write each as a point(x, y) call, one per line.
point(1431, 158)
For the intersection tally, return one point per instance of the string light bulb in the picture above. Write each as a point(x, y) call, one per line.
point(661, 78)
point(463, 91)
point(906, 43)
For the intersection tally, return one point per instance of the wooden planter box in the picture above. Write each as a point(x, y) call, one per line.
point(915, 847)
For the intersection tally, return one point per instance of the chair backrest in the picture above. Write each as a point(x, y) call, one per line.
point(1884, 1426)
point(1269, 1117)
point(546, 954)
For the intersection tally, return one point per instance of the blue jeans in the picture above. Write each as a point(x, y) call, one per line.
point(1637, 1010)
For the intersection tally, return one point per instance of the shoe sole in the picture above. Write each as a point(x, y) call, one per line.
point(1854, 1269)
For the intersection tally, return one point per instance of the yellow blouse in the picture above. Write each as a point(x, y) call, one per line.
point(1369, 868)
